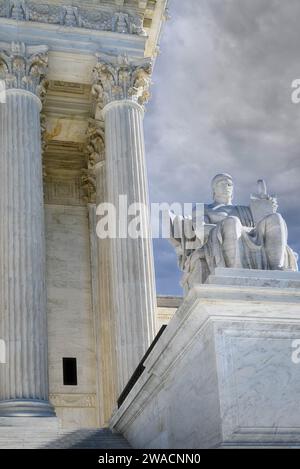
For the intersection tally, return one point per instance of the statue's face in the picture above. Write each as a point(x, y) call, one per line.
point(223, 191)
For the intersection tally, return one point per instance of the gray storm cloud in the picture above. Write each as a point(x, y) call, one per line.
point(222, 102)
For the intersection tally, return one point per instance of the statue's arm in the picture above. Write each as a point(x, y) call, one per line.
point(190, 233)
point(202, 228)
point(178, 237)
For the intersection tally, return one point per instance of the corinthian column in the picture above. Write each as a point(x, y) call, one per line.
point(24, 377)
point(122, 89)
point(94, 185)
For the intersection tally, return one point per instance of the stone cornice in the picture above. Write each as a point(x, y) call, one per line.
point(24, 67)
point(118, 78)
point(107, 17)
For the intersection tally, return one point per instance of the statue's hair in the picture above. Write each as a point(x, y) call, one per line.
point(218, 178)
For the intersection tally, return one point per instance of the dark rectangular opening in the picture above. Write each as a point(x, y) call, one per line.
point(70, 371)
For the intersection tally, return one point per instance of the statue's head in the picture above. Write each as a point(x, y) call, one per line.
point(222, 187)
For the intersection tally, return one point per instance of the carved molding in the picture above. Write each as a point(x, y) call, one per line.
point(88, 180)
point(73, 16)
point(95, 153)
point(63, 190)
point(63, 163)
point(24, 67)
point(73, 400)
point(44, 142)
point(118, 78)
point(95, 149)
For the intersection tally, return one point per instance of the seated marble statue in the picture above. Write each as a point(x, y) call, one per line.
point(233, 236)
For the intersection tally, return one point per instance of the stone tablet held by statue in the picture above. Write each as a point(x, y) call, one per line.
point(262, 204)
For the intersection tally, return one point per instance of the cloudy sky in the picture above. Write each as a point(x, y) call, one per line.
point(221, 102)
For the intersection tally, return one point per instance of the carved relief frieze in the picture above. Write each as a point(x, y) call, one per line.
point(73, 16)
point(73, 400)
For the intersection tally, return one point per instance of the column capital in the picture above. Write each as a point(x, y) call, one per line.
point(118, 78)
point(24, 67)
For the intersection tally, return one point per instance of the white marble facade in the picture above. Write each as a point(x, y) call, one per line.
point(225, 371)
point(52, 59)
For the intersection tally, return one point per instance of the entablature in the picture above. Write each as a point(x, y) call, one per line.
point(124, 25)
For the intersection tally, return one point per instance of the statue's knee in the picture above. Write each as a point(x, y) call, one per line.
point(232, 222)
point(272, 225)
point(274, 219)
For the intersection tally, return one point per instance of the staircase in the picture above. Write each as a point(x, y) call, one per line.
point(50, 436)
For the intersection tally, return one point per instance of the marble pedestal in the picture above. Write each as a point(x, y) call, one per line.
point(226, 372)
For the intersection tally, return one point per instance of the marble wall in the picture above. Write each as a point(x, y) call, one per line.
point(166, 308)
point(70, 315)
point(70, 321)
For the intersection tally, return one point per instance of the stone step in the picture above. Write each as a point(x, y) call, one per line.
point(29, 438)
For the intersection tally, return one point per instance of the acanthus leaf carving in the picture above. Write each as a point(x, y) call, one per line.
point(117, 78)
point(24, 67)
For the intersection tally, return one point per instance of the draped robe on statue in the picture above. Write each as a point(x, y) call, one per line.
point(250, 245)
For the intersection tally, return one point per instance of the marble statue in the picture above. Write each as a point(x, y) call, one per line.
point(233, 236)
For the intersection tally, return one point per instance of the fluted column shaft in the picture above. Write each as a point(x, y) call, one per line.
point(132, 270)
point(107, 339)
point(24, 378)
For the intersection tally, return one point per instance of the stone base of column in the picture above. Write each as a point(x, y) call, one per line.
point(26, 408)
point(22, 426)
